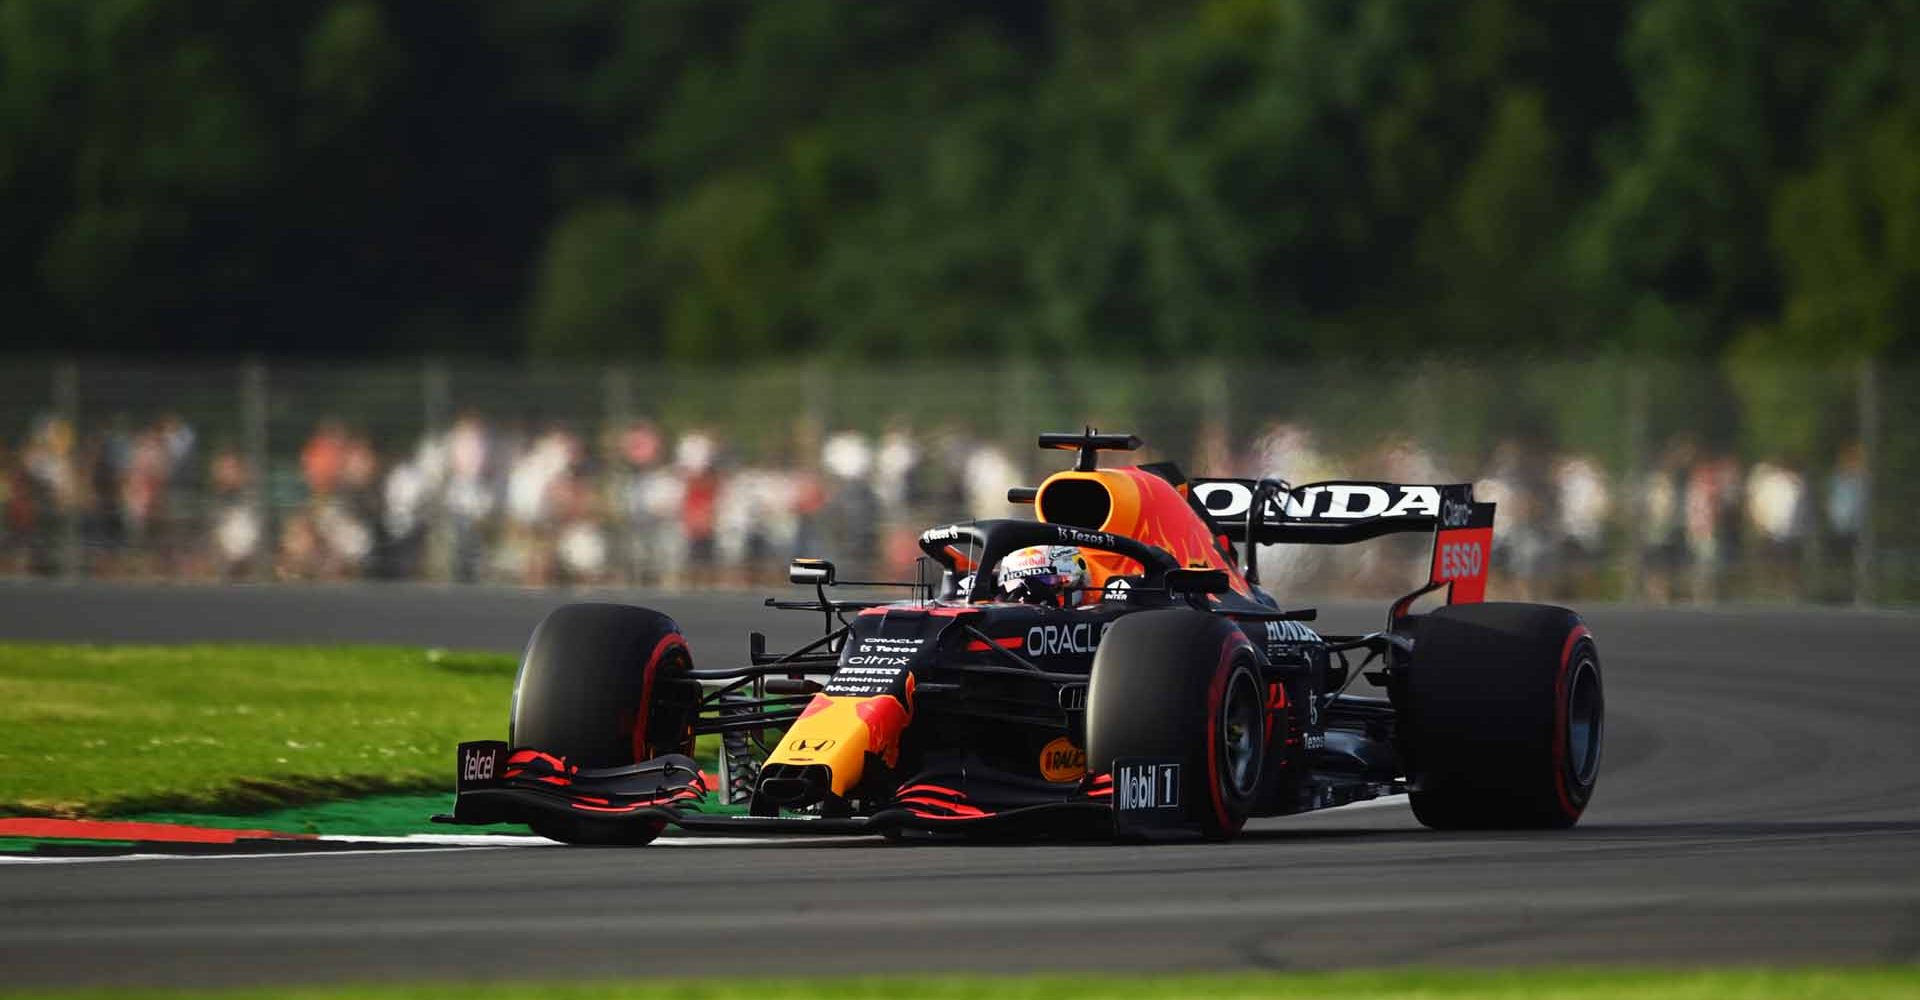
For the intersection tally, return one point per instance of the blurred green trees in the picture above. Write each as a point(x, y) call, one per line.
point(722, 180)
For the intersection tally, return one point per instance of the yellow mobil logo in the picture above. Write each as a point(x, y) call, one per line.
point(1060, 760)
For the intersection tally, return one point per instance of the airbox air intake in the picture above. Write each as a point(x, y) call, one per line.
point(1076, 503)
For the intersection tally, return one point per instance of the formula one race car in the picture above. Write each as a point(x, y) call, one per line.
point(1110, 669)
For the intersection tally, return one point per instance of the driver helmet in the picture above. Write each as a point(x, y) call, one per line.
point(1051, 575)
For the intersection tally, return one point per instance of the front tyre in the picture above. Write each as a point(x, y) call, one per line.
point(1502, 717)
point(602, 685)
point(1182, 685)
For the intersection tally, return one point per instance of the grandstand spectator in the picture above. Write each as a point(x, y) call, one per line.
point(328, 537)
point(469, 500)
point(235, 531)
point(1582, 503)
point(1288, 452)
point(18, 518)
point(645, 500)
point(852, 505)
point(1846, 493)
point(53, 485)
point(107, 458)
point(1522, 547)
point(536, 478)
point(1663, 523)
point(1777, 519)
point(987, 474)
point(1713, 495)
point(694, 457)
point(411, 488)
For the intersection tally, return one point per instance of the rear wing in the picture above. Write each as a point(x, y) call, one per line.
point(1339, 512)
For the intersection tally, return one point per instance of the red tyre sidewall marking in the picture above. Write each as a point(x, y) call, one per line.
point(1216, 695)
point(672, 640)
point(1560, 721)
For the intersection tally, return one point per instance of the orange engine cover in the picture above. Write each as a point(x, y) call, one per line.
point(1137, 504)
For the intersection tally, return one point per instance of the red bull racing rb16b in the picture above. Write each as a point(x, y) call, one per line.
point(1111, 668)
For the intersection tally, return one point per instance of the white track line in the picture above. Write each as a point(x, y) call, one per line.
point(428, 843)
point(444, 840)
point(441, 842)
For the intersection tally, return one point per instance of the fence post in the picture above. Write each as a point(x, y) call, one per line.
point(1216, 411)
point(66, 404)
point(817, 399)
point(253, 440)
point(435, 400)
point(1865, 571)
point(1633, 568)
point(617, 400)
point(1017, 428)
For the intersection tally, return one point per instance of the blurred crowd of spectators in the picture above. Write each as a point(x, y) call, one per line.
point(490, 501)
point(1703, 525)
point(482, 502)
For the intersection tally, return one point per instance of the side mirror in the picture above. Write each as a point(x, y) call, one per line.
point(811, 572)
point(1197, 581)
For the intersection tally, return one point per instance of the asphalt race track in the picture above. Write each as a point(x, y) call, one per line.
point(1759, 803)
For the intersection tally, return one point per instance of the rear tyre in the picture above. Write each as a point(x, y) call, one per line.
point(602, 686)
point(1502, 715)
point(1182, 685)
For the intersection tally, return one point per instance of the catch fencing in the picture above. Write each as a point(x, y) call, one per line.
point(1616, 479)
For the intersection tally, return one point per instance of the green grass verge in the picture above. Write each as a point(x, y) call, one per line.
point(233, 735)
point(100, 730)
point(1765, 984)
